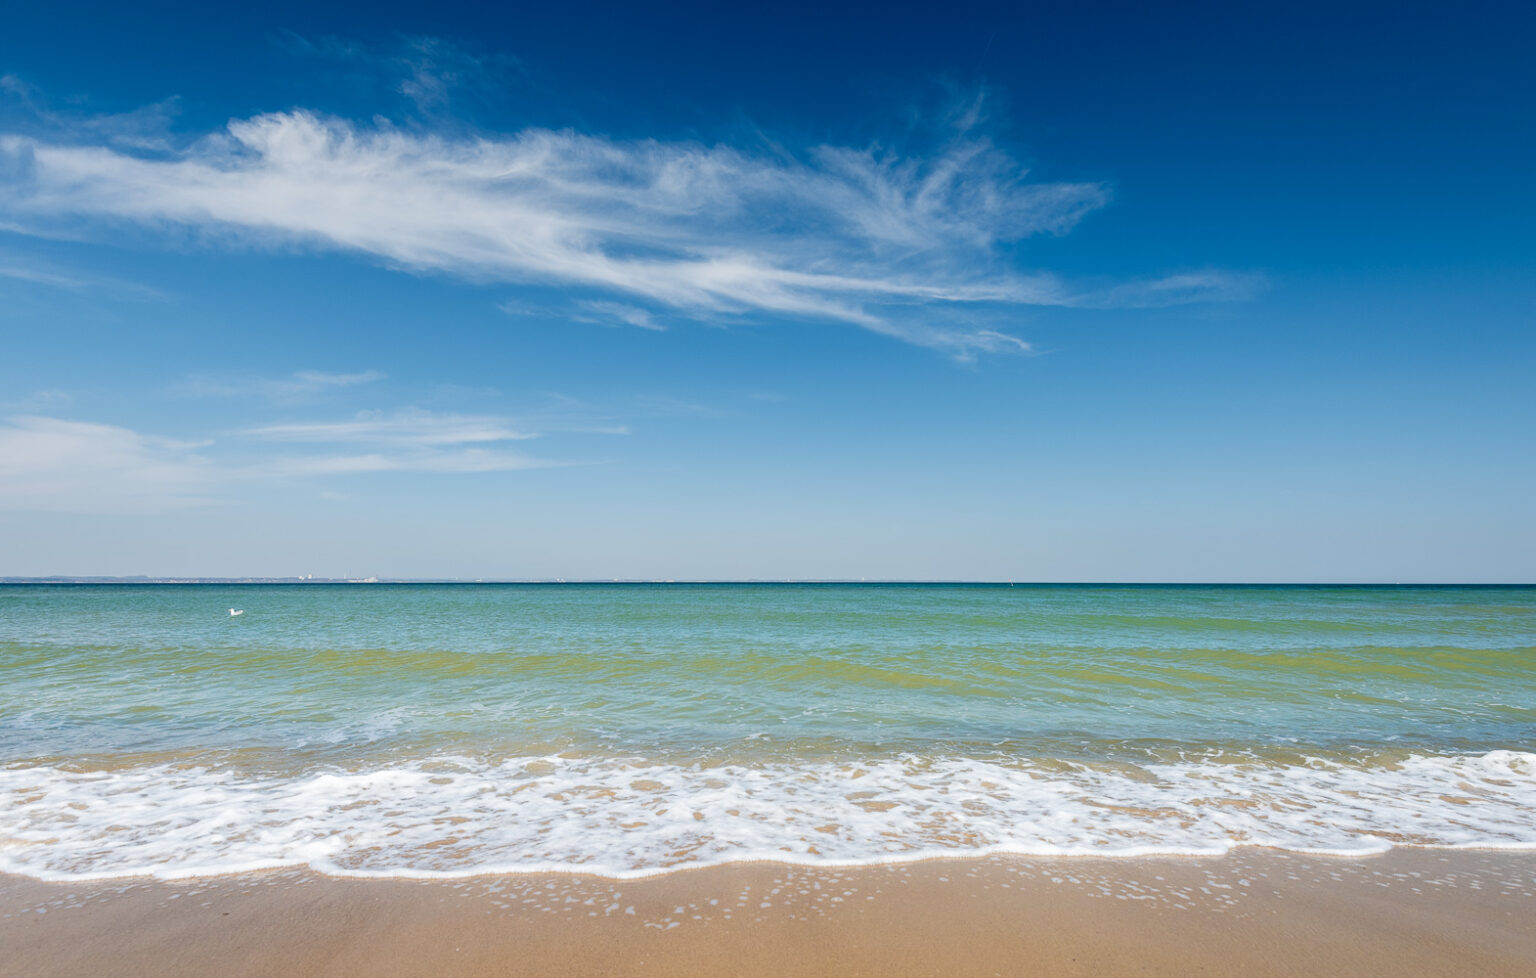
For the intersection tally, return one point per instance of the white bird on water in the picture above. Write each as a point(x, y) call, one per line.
point(236, 611)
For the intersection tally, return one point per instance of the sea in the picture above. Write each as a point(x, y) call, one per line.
point(624, 730)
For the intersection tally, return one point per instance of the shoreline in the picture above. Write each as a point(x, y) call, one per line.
point(788, 862)
point(448, 816)
point(1252, 911)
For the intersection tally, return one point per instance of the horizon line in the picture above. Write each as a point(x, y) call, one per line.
point(167, 580)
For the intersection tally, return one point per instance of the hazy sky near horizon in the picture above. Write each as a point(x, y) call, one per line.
point(987, 291)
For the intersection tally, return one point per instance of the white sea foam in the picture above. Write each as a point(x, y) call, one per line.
point(625, 818)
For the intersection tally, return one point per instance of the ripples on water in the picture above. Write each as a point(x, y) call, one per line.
point(628, 728)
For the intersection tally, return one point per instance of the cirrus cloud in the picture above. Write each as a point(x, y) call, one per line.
point(905, 245)
point(50, 464)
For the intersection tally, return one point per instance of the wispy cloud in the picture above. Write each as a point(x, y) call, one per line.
point(663, 405)
point(53, 465)
point(41, 277)
point(616, 313)
point(404, 428)
point(143, 128)
point(36, 272)
point(1174, 290)
point(460, 460)
point(894, 243)
point(432, 74)
point(299, 385)
point(50, 399)
point(435, 69)
point(409, 440)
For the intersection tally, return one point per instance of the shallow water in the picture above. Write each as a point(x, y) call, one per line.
point(625, 729)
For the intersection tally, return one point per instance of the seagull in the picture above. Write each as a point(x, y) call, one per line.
point(236, 611)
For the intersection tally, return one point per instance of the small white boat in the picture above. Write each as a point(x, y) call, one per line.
point(236, 611)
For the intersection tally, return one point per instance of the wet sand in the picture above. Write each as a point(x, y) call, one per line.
point(1256, 912)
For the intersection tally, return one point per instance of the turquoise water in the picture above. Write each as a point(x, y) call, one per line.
point(634, 728)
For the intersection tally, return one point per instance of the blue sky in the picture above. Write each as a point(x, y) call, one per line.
point(993, 292)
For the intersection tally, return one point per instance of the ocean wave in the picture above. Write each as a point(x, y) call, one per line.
point(628, 817)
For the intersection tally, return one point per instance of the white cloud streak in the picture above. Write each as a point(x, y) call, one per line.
point(860, 235)
point(56, 465)
point(460, 460)
point(401, 428)
point(410, 440)
point(40, 277)
point(1174, 290)
point(53, 465)
point(299, 385)
point(31, 271)
point(48, 399)
point(617, 313)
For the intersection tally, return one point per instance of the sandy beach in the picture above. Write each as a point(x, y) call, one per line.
point(1253, 912)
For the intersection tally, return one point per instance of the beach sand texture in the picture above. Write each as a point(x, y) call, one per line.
point(1252, 912)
